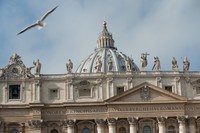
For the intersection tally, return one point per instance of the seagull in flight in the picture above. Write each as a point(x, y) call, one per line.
point(40, 23)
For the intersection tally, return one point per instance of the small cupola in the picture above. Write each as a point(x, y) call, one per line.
point(105, 39)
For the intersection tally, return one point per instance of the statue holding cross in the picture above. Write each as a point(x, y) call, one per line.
point(143, 60)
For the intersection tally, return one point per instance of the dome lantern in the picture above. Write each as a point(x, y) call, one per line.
point(105, 39)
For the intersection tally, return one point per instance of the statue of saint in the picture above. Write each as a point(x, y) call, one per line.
point(186, 64)
point(143, 60)
point(69, 66)
point(37, 66)
point(156, 66)
point(110, 64)
point(174, 64)
point(98, 64)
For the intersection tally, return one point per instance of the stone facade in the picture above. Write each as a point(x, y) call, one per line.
point(114, 99)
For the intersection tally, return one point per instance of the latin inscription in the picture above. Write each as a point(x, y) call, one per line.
point(87, 110)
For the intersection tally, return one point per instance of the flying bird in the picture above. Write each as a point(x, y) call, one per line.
point(40, 23)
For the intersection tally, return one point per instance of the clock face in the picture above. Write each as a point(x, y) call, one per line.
point(14, 70)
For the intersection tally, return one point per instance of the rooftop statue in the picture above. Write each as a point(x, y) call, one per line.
point(186, 64)
point(143, 60)
point(156, 66)
point(69, 66)
point(37, 66)
point(174, 64)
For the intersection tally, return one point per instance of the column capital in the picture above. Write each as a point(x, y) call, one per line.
point(35, 123)
point(192, 120)
point(68, 123)
point(132, 120)
point(111, 121)
point(161, 120)
point(181, 119)
point(100, 122)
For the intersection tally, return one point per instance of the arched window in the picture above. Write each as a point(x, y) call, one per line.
point(85, 130)
point(146, 129)
point(54, 131)
point(122, 130)
point(14, 131)
point(171, 129)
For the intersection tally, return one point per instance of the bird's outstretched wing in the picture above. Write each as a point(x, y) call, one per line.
point(27, 28)
point(47, 14)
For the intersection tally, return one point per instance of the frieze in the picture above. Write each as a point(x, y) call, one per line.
point(130, 108)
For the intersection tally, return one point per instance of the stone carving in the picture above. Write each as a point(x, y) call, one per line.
point(68, 123)
point(111, 121)
point(69, 66)
point(110, 64)
point(186, 65)
point(2, 73)
point(181, 119)
point(98, 64)
point(37, 66)
point(174, 64)
point(156, 66)
point(132, 120)
point(128, 64)
point(145, 93)
point(191, 120)
point(161, 120)
point(14, 59)
point(35, 123)
point(100, 122)
point(28, 72)
point(143, 60)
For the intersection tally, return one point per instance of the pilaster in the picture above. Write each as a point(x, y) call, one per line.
point(133, 124)
point(100, 125)
point(111, 125)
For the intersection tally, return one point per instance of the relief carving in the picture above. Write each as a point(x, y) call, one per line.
point(35, 123)
point(145, 93)
point(132, 120)
point(111, 121)
point(68, 123)
point(161, 120)
point(181, 119)
point(100, 122)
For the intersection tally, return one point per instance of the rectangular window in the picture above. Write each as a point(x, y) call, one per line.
point(14, 91)
point(120, 90)
point(168, 88)
point(85, 92)
point(198, 90)
point(53, 94)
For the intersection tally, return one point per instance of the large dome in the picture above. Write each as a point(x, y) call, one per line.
point(106, 57)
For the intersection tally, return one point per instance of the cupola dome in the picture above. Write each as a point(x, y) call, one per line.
point(106, 57)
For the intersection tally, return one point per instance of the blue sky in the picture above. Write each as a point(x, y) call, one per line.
point(163, 28)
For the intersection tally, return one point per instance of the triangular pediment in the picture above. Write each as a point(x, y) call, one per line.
point(147, 92)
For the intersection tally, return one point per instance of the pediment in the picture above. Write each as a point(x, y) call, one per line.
point(146, 92)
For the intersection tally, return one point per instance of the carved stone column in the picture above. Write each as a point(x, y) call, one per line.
point(69, 92)
point(192, 124)
point(1, 127)
point(100, 125)
point(161, 124)
point(181, 121)
point(110, 90)
point(129, 83)
point(159, 82)
point(36, 91)
point(177, 85)
point(70, 125)
point(111, 125)
point(35, 126)
point(133, 124)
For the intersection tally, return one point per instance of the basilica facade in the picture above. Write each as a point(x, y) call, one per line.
point(108, 93)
